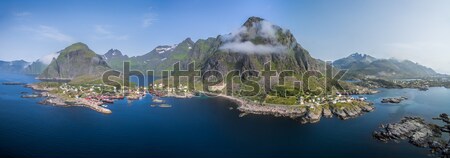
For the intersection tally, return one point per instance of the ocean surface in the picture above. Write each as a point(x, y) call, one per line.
point(199, 127)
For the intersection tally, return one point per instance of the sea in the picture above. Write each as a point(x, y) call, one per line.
point(200, 127)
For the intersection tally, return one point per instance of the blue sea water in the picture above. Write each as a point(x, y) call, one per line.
point(199, 127)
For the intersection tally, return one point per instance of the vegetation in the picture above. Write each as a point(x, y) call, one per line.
point(281, 100)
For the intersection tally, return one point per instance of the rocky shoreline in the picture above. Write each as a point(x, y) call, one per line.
point(55, 100)
point(305, 114)
point(419, 133)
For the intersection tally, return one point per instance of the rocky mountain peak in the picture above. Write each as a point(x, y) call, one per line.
point(74, 61)
point(362, 57)
point(252, 20)
point(259, 36)
point(188, 41)
point(113, 53)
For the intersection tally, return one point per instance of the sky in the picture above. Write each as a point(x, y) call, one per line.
point(418, 30)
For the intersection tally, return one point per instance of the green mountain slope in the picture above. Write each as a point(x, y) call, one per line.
point(75, 61)
point(265, 41)
point(35, 68)
point(256, 43)
point(163, 57)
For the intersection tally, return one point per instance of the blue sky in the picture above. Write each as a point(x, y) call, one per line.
point(418, 30)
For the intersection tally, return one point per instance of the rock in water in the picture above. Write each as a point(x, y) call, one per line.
point(393, 100)
point(417, 132)
point(327, 113)
point(413, 128)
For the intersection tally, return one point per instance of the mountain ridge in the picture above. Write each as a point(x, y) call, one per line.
point(256, 42)
point(15, 66)
point(361, 66)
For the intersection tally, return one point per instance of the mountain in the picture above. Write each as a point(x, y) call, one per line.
point(161, 58)
point(38, 66)
point(16, 66)
point(256, 42)
point(75, 61)
point(115, 58)
point(114, 54)
point(35, 68)
point(353, 59)
point(365, 66)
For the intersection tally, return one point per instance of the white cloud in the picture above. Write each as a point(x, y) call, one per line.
point(47, 59)
point(240, 40)
point(149, 19)
point(267, 30)
point(43, 31)
point(249, 47)
point(103, 32)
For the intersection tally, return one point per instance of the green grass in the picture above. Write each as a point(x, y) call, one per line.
point(77, 47)
point(316, 110)
point(179, 56)
point(281, 100)
point(345, 105)
point(49, 84)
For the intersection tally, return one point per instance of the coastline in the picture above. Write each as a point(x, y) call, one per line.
point(56, 100)
point(304, 113)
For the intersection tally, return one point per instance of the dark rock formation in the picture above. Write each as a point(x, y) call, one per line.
point(393, 100)
point(418, 133)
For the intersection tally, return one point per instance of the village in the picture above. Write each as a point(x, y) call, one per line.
point(99, 96)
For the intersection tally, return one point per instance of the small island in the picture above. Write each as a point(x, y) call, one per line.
point(419, 133)
point(395, 100)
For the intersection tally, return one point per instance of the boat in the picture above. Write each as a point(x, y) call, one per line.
point(165, 106)
point(30, 96)
point(423, 88)
point(133, 97)
point(117, 97)
point(103, 105)
point(107, 101)
point(156, 100)
point(180, 96)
